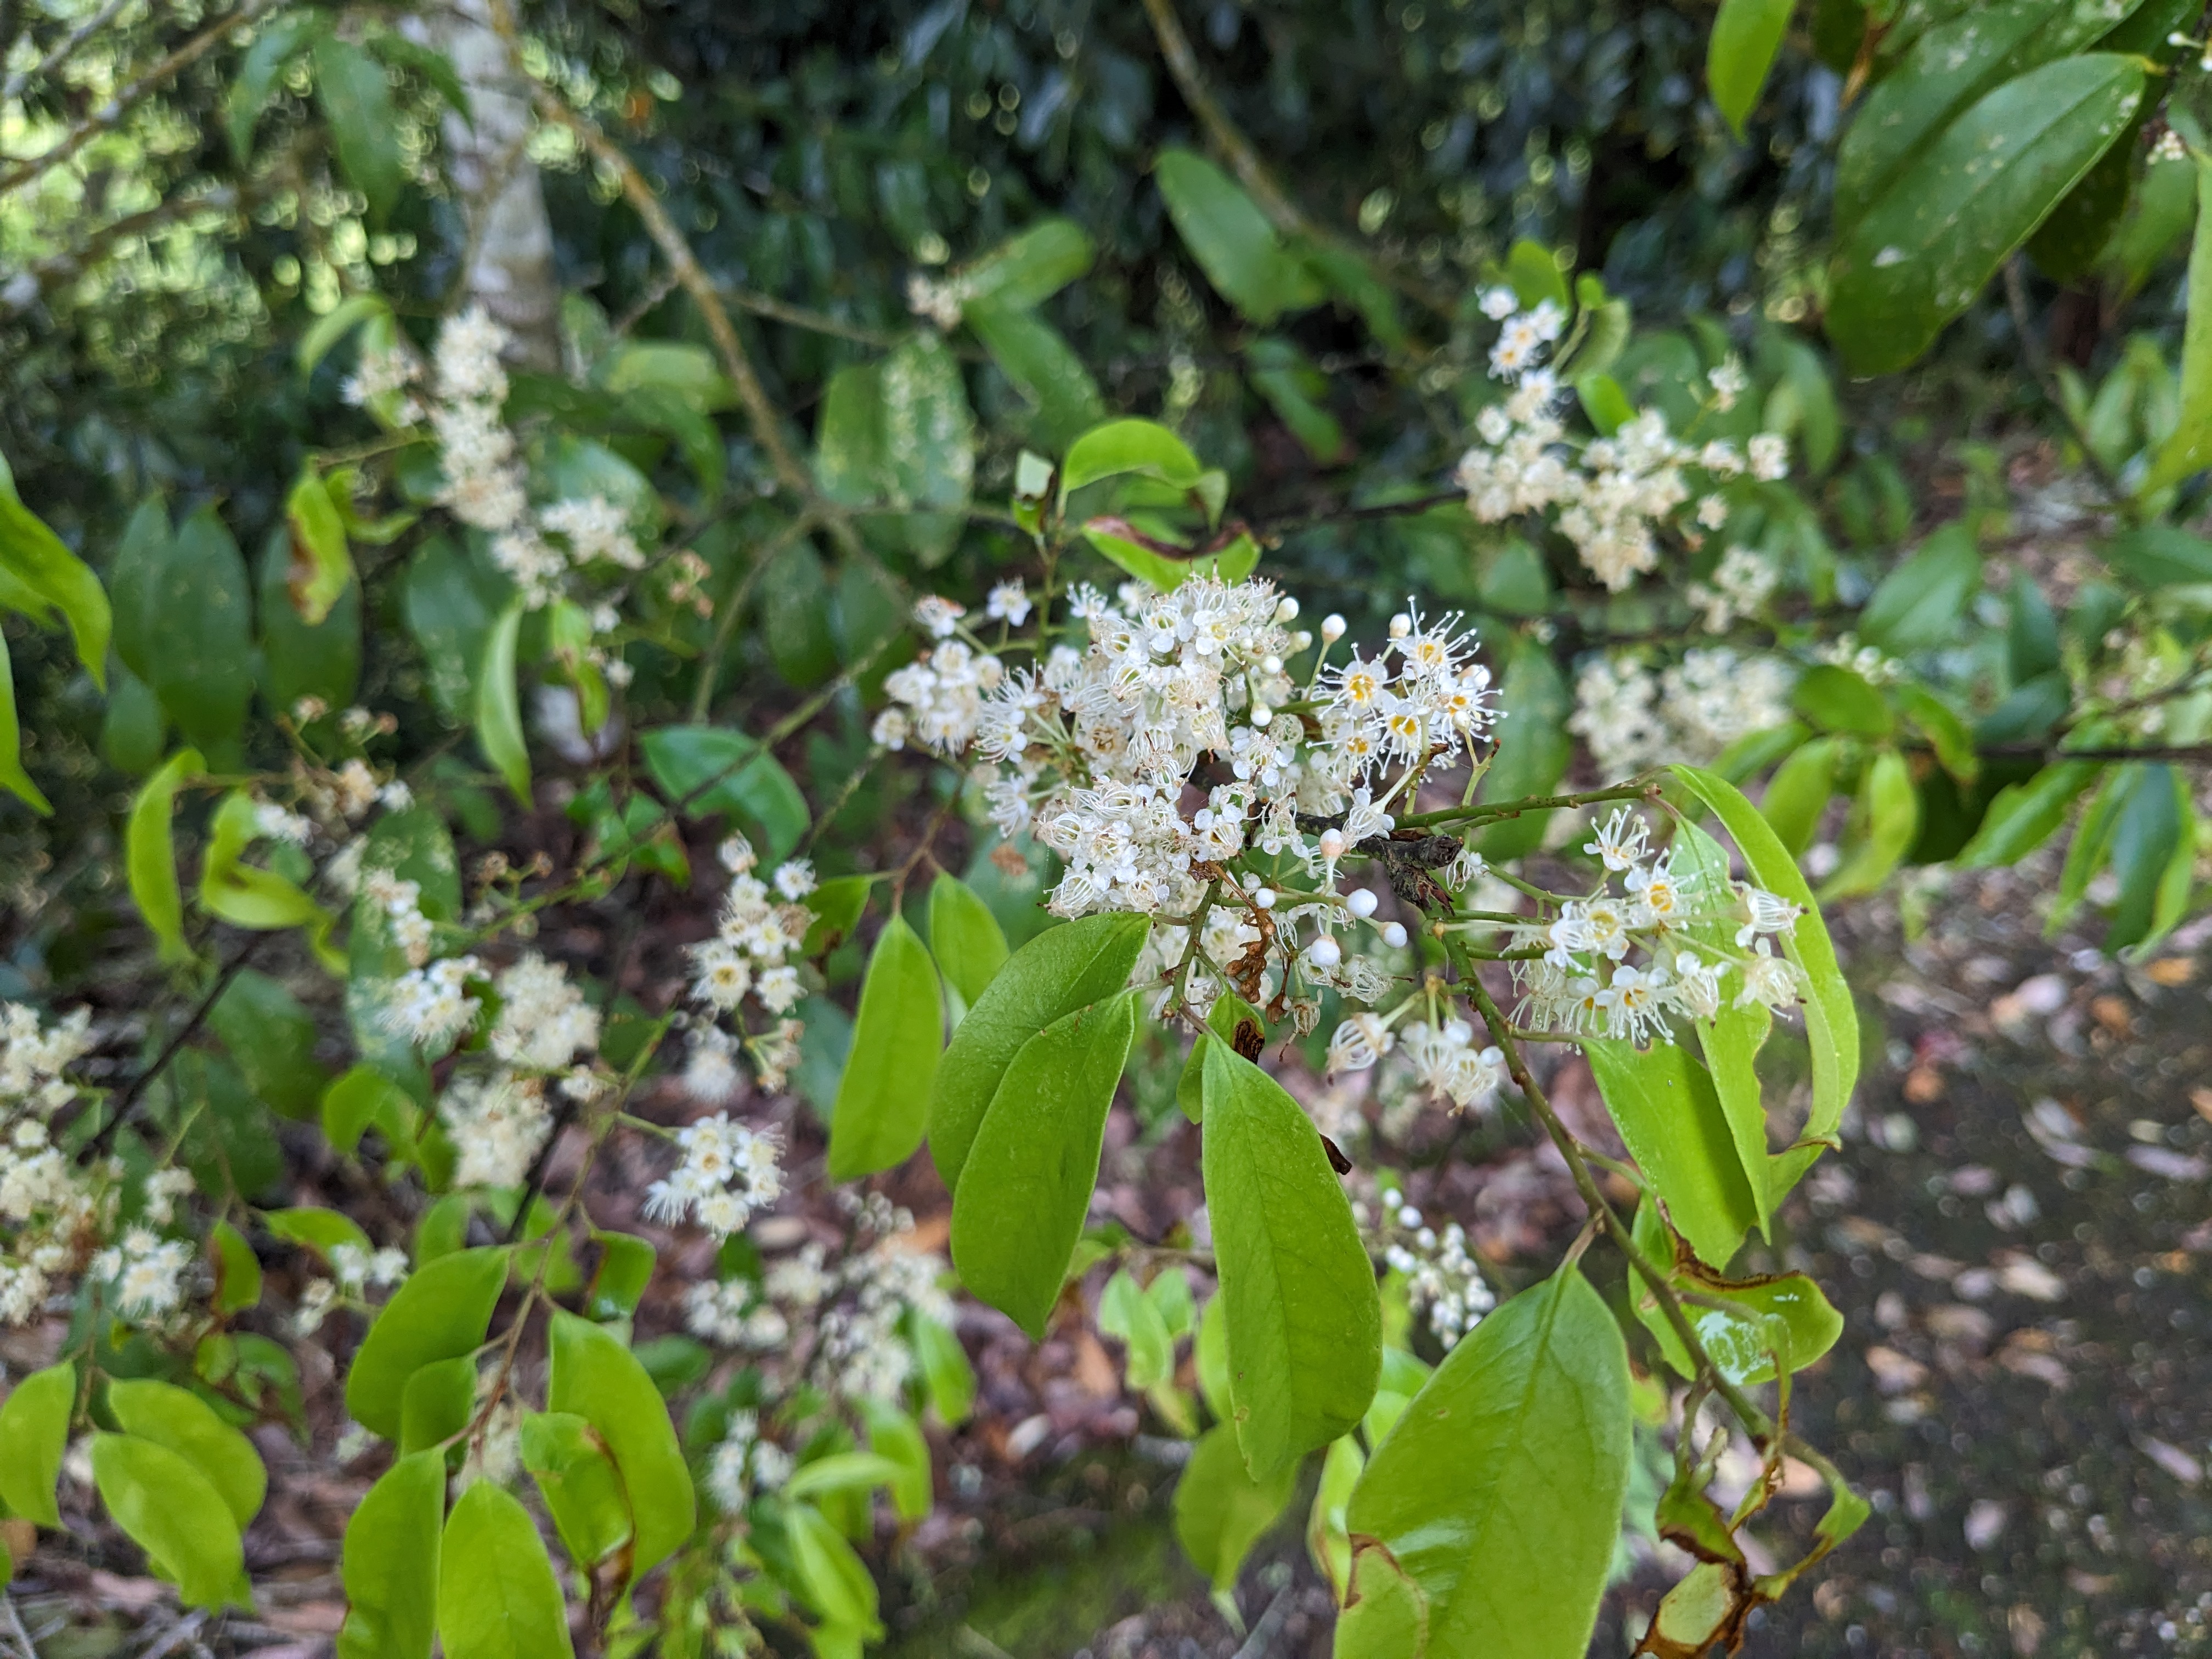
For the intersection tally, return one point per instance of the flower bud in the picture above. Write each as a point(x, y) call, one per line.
point(1394, 936)
point(1260, 714)
point(1400, 625)
point(1360, 902)
point(1264, 898)
point(1332, 844)
point(1331, 628)
point(1324, 952)
point(1287, 610)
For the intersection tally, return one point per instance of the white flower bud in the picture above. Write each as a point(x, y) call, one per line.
point(1400, 625)
point(1394, 936)
point(1331, 628)
point(1360, 902)
point(1264, 898)
point(1260, 714)
point(1301, 641)
point(1324, 952)
point(1287, 610)
point(1332, 844)
point(1271, 664)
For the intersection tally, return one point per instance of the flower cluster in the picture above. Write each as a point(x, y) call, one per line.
point(1633, 717)
point(727, 1172)
point(50, 1212)
point(1614, 494)
point(762, 925)
point(354, 1270)
point(1618, 962)
point(744, 1463)
point(1444, 1284)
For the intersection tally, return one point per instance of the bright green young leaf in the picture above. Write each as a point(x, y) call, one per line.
point(582, 1489)
point(1746, 35)
point(596, 1376)
point(1535, 276)
point(965, 937)
point(947, 1378)
point(1663, 1102)
point(322, 563)
point(1209, 1357)
point(1497, 1495)
point(362, 1099)
point(34, 1424)
point(172, 1512)
point(440, 1312)
point(1605, 403)
point(438, 1402)
point(1385, 1615)
point(247, 895)
point(499, 705)
point(1221, 1511)
point(1328, 1542)
point(835, 1582)
point(704, 769)
point(334, 324)
point(1731, 1041)
point(1027, 1180)
point(1125, 1314)
point(1229, 1012)
point(1946, 733)
point(1799, 790)
point(838, 904)
point(1170, 1293)
point(321, 1231)
point(279, 40)
point(237, 1270)
point(1923, 251)
point(618, 1283)
point(13, 777)
point(1232, 239)
point(2024, 816)
point(356, 101)
point(883, 1103)
point(497, 1596)
point(390, 1562)
point(1061, 970)
point(1143, 447)
point(34, 559)
point(2188, 449)
point(1305, 1321)
point(897, 1438)
point(841, 1472)
point(1742, 1324)
point(187, 1425)
point(1918, 605)
point(1884, 821)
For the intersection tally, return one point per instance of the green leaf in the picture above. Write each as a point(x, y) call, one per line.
point(1143, 447)
point(2189, 447)
point(965, 937)
point(1535, 276)
point(321, 1231)
point(1832, 1025)
point(1127, 1314)
point(440, 1313)
point(841, 1472)
point(356, 100)
point(450, 600)
point(1923, 251)
point(322, 563)
point(883, 1102)
point(838, 904)
point(2146, 833)
point(1884, 820)
point(12, 775)
point(1799, 790)
point(1498, 1493)
point(596, 1376)
point(1328, 1540)
point(247, 895)
point(391, 1562)
point(1232, 239)
point(1664, 1103)
point(1947, 734)
point(896, 1437)
point(237, 1270)
point(1296, 391)
point(299, 659)
point(499, 705)
point(1305, 1321)
point(1042, 366)
point(1026, 1184)
point(1061, 971)
point(1221, 1511)
point(201, 664)
point(899, 434)
point(834, 1581)
point(334, 324)
point(272, 1038)
point(1385, 1615)
point(1731, 1041)
point(619, 1282)
point(1030, 267)
point(1604, 402)
point(275, 45)
point(2024, 816)
point(172, 1512)
point(947, 1377)
point(34, 1424)
point(362, 1099)
point(582, 1489)
point(1534, 747)
point(1746, 35)
point(1783, 1313)
point(150, 855)
point(438, 1402)
point(187, 1425)
point(1918, 604)
point(497, 1596)
point(34, 558)
point(703, 769)
point(1228, 1012)
point(2160, 556)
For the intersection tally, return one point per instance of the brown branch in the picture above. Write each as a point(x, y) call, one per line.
point(111, 114)
point(817, 322)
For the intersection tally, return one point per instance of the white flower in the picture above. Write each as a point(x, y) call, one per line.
point(1009, 602)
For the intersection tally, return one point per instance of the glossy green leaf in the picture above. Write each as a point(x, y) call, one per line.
point(1228, 1012)
point(1143, 448)
point(582, 1489)
point(1235, 246)
point(13, 777)
point(299, 659)
point(1385, 1615)
point(1746, 35)
point(1730, 1042)
point(150, 855)
point(390, 1562)
point(1798, 792)
point(1534, 747)
point(275, 43)
point(246, 895)
point(172, 1512)
point(619, 1282)
point(237, 1270)
point(1328, 1540)
point(1209, 1358)
point(1663, 1102)
point(442, 1311)
point(965, 937)
point(356, 101)
point(187, 1425)
point(899, 434)
point(1884, 820)
point(1947, 734)
point(897, 1438)
point(438, 1403)
point(1220, 1511)
point(1027, 1180)
point(333, 325)
point(322, 562)
point(272, 1036)
point(499, 705)
point(2160, 556)
point(1125, 1314)
point(362, 1099)
point(1917, 606)
point(202, 663)
point(2189, 449)
point(1742, 1324)
point(497, 1596)
point(596, 1376)
point(321, 1231)
point(1533, 272)
point(1042, 366)
point(2024, 816)
point(35, 560)
point(838, 904)
point(1922, 253)
point(704, 769)
point(1061, 971)
point(1030, 266)
point(1498, 1493)
point(883, 1102)
point(947, 1377)
point(34, 1422)
point(841, 1472)
point(450, 600)
point(1305, 1321)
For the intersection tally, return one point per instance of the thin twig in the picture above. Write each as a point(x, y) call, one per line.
point(239, 959)
point(108, 115)
point(815, 322)
point(1348, 514)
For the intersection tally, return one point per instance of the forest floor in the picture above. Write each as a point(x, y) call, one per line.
point(2018, 1231)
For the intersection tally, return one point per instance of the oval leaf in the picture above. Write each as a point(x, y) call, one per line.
point(33, 1434)
point(187, 1425)
point(497, 1597)
point(170, 1511)
point(882, 1101)
point(440, 1313)
point(965, 937)
point(391, 1562)
point(595, 1376)
point(1221, 1511)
